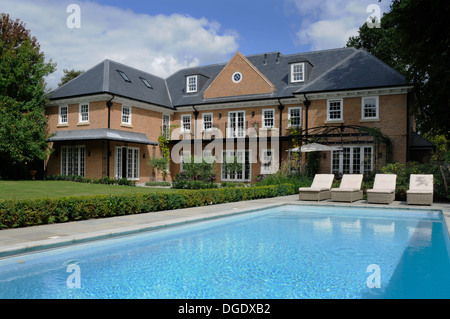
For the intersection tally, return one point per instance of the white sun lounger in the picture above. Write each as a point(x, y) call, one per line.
point(349, 190)
point(420, 190)
point(319, 190)
point(383, 191)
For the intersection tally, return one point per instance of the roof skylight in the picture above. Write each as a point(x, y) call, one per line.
point(147, 84)
point(124, 76)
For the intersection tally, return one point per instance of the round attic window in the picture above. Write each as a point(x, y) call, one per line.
point(237, 77)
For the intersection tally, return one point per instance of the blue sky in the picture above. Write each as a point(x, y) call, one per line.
point(161, 37)
point(262, 25)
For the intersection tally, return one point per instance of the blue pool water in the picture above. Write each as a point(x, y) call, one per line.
point(283, 252)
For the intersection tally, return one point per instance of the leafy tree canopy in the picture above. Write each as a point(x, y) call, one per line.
point(23, 93)
point(69, 75)
point(414, 39)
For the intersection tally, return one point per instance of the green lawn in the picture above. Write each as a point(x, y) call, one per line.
point(54, 189)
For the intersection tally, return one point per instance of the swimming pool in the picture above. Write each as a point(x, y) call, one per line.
point(290, 251)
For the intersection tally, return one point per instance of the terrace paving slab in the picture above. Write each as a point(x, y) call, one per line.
point(30, 239)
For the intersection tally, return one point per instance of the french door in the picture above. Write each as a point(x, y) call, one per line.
point(236, 124)
point(73, 160)
point(240, 156)
point(127, 163)
point(352, 160)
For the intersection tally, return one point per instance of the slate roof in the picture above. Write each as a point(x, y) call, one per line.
point(327, 70)
point(101, 134)
point(105, 78)
point(357, 71)
point(418, 142)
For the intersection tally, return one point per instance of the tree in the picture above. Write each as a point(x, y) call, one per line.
point(23, 95)
point(70, 75)
point(415, 40)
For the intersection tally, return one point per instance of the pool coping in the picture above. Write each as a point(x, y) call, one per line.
point(14, 242)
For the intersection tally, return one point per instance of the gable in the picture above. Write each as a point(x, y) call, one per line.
point(239, 77)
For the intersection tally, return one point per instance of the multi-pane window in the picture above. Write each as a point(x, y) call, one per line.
point(267, 162)
point(185, 157)
point(126, 115)
point(268, 118)
point(186, 123)
point(207, 121)
point(298, 72)
point(370, 107)
point(191, 83)
point(244, 171)
point(334, 110)
point(127, 163)
point(73, 160)
point(236, 124)
point(352, 160)
point(166, 126)
point(295, 117)
point(84, 113)
point(63, 114)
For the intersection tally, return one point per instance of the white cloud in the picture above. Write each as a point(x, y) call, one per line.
point(329, 23)
point(157, 44)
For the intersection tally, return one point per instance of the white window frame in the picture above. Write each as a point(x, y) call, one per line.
point(135, 163)
point(264, 118)
point(341, 101)
point(75, 164)
point(295, 73)
point(363, 108)
point(290, 116)
point(60, 120)
point(362, 165)
point(191, 87)
point(236, 131)
point(129, 114)
point(245, 154)
point(185, 157)
point(182, 123)
point(81, 113)
point(204, 122)
point(166, 126)
point(267, 159)
point(239, 77)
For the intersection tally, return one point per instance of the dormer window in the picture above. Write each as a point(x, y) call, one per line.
point(124, 76)
point(298, 72)
point(191, 84)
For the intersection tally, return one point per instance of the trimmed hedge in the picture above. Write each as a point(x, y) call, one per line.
point(15, 214)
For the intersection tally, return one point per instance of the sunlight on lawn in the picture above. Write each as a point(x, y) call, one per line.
point(53, 189)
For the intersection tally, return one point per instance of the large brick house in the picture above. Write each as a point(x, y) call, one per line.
point(107, 121)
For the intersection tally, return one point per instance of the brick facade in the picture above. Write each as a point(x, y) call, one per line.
point(147, 118)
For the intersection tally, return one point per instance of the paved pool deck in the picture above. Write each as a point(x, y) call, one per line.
point(30, 239)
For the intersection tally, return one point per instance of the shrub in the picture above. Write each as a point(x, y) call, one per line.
point(198, 174)
point(81, 179)
point(158, 184)
point(280, 178)
point(47, 211)
point(403, 172)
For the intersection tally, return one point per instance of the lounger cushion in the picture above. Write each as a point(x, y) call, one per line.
point(417, 191)
point(323, 181)
point(381, 191)
point(345, 189)
point(421, 182)
point(313, 189)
